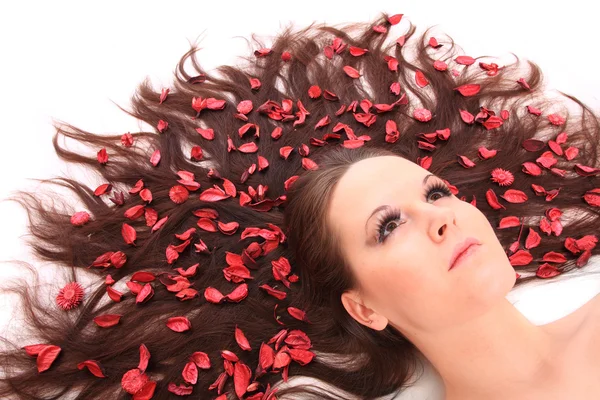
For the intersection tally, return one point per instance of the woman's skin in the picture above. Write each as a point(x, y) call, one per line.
point(482, 346)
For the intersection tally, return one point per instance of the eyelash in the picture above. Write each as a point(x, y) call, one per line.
point(394, 214)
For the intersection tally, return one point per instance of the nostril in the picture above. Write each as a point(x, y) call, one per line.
point(441, 230)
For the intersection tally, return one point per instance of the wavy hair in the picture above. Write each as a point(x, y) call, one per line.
point(213, 272)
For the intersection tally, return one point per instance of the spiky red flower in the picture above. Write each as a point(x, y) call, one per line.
point(502, 177)
point(69, 296)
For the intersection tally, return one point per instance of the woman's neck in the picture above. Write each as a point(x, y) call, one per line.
point(496, 351)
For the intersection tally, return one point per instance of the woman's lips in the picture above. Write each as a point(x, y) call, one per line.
point(463, 250)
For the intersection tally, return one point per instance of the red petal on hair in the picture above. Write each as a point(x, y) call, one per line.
point(93, 366)
point(127, 140)
point(440, 65)
point(133, 381)
point(297, 313)
point(587, 242)
point(514, 196)
point(533, 145)
point(493, 122)
point(467, 117)
point(504, 114)
point(531, 169)
point(163, 95)
point(380, 29)
point(571, 153)
point(465, 162)
point(392, 63)
point(351, 72)
point(301, 356)
point(395, 19)
point(244, 106)
point(533, 239)
point(201, 359)
point(162, 126)
point(553, 256)
point(228, 228)
point(134, 212)
point(534, 111)
point(143, 276)
point(146, 195)
point(238, 294)
point(492, 200)
point(145, 294)
point(395, 88)
point(584, 170)
point(470, 89)
point(434, 43)
point(241, 378)
point(592, 197)
point(102, 189)
point(155, 157)
point(212, 295)
point(523, 84)
point(326, 120)
point(107, 320)
point(422, 114)
point(146, 392)
point(179, 324)
point(314, 92)
point(208, 134)
point(190, 373)
point(129, 234)
point(521, 257)
point(196, 153)
point(286, 56)
point(262, 163)
point(309, 164)
point(46, 357)
point(181, 389)
point(464, 60)
point(250, 147)
point(213, 194)
point(114, 294)
point(263, 52)
point(70, 296)
point(583, 258)
point(229, 356)
point(509, 222)
point(255, 83)
point(285, 151)
point(278, 294)
point(420, 79)
point(159, 223)
point(108, 280)
point(241, 339)
point(207, 225)
point(555, 147)
point(486, 154)
point(561, 138)
point(357, 51)
point(547, 271)
point(80, 218)
point(545, 226)
point(34, 349)
point(102, 156)
point(401, 40)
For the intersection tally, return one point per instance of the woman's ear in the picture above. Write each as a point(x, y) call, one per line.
point(355, 306)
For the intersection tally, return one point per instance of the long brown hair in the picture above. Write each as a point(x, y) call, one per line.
point(216, 274)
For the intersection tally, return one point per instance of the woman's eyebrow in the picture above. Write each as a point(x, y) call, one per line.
point(385, 206)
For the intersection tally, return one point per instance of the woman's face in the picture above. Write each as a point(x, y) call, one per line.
point(403, 270)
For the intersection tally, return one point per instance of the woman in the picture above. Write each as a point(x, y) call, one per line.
point(236, 247)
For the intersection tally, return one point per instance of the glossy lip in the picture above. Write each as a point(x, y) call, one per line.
point(462, 247)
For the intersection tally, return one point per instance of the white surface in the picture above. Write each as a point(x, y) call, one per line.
point(69, 60)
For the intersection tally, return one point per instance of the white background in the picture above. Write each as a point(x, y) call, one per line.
point(70, 60)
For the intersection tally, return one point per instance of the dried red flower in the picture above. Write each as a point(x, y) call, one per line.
point(70, 296)
point(502, 177)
